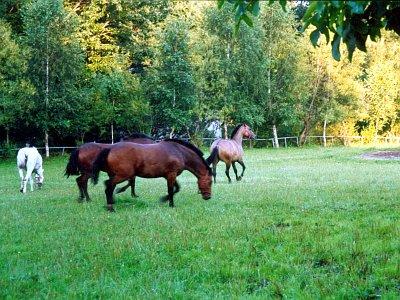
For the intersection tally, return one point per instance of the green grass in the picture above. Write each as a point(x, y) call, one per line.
point(303, 223)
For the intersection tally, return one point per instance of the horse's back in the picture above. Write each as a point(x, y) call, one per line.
point(144, 160)
point(140, 140)
point(88, 153)
point(29, 155)
point(228, 150)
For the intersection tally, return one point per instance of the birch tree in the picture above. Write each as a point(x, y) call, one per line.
point(55, 64)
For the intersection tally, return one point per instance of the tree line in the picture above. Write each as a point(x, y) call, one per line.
point(73, 71)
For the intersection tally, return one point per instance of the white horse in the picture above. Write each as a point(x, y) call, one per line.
point(30, 160)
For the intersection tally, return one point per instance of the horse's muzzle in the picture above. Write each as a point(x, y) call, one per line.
point(206, 196)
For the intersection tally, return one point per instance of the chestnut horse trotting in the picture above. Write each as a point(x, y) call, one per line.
point(167, 159)
point(230, 150)
point(81, 163)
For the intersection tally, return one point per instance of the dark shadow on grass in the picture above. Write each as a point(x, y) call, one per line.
point(130, 203)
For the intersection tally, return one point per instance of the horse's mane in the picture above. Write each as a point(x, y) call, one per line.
point(236, 130)
point(191, 147)
point(138, 135)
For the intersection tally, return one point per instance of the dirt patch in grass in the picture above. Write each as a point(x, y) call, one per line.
point(382, 155)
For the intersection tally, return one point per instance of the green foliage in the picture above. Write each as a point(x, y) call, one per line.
point(352, 22)
point(56, 62)
point(117, 99)
point(170, 87)
point(15, 89)
point(135, 65)
point(7, 150)
point(295, 227)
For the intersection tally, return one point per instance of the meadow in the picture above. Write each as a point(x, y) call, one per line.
point(303, 223)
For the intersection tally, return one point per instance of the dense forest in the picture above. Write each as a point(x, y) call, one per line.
point(76, 70)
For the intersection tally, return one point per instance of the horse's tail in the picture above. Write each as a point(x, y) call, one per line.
point(213, 155)
point(72, 167)
point(99, 163)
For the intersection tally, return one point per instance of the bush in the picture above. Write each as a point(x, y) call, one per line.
point(7, 150)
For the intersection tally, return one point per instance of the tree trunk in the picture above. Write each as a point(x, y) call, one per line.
point(226, 130)
point(7, 135)
point(306, 130)
point(324, 133)
point(112, 133)
point(275, 135)
point(311, 109)
point(171, 134)
point(112, 121)
point(46, 133)
point(46, 143)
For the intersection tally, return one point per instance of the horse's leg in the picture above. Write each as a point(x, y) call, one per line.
point(243, 168)
point(132, 184)
point(235, 170)
point(85, 179)
point(177, 187)
point(80, 187)
point(110, 186)
point(21, 175)
point(27, 177)
point(31, 182)
point(228, 166)
point(214, 170)
point(173, 188)
point(123, 189)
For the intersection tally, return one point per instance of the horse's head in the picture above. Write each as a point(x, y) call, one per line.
point(247, 132)
point(39, 178)
point(204, 183)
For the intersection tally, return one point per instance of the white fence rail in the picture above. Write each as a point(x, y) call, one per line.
point(267, 142)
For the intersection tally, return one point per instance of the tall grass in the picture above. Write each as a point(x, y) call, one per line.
point(303, 223)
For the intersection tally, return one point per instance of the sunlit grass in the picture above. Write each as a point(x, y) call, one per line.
point(303, 223)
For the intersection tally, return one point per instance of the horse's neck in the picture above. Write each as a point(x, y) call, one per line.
point(194, 164)
point(238, 137)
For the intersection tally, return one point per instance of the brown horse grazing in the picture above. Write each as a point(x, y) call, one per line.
point(167, 159)
point(81, 163)
point(230, 150)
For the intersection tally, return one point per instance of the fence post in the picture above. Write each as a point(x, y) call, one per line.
point(285, 143)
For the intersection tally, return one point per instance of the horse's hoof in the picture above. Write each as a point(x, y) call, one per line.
point(110, 208)
point(164, 199)
point(239, 178)
point(21, 190)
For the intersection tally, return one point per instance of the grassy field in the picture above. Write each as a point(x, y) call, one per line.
point(303, 223)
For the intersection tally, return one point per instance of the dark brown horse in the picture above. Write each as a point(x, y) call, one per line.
point(230, 150)
point(167, 159)
point(81, 163)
